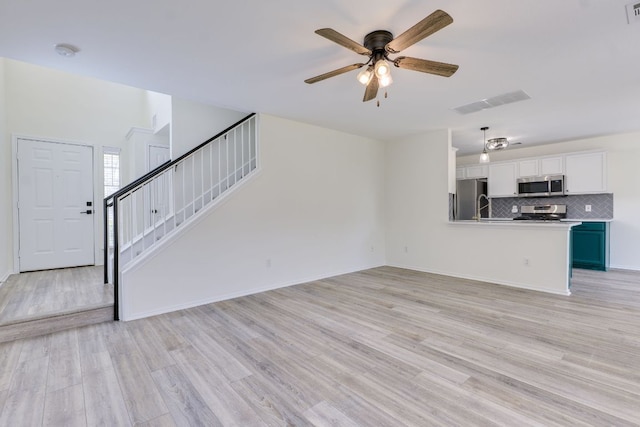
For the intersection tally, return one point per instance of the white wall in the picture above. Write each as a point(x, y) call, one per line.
point(314, 210)
point(623, 158)
point(46, 103)
point(5, 185)
point(193, 123)
point(159, 106)
point(420, 237)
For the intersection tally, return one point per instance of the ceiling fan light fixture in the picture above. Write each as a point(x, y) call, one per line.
point(497, 143)
point(365, 75)
point(385, 81)
point(382, 69)
point(379, 44)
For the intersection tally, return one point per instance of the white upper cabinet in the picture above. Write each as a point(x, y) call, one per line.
point(476, 171)
point(502, 179)
point(471, 171)
point(552, 165)
point(586, 173)
point(528, 167)
point(540, 166)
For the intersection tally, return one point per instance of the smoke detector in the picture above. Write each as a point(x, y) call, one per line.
point(66, 50)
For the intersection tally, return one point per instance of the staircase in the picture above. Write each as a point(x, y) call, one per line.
point(140, 216)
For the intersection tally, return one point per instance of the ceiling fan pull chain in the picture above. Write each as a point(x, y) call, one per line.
point(385, 94)
point(378, 103)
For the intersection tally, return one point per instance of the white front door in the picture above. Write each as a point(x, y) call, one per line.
point(55, 205)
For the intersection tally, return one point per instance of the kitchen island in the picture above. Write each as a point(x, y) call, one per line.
point(532, 255)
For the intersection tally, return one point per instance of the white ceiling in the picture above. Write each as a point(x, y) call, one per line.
point(577, 59)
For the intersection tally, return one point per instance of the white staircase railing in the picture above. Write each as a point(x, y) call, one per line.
point(140, 215)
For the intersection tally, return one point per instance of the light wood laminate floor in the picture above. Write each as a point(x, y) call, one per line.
point(382, 347)
point(51, 292)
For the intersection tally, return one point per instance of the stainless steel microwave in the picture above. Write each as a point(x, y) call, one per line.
point(541, 186)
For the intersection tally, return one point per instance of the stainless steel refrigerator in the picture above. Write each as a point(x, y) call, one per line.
point(467, 193)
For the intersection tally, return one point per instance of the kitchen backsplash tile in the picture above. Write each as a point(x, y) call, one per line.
point(601, 205)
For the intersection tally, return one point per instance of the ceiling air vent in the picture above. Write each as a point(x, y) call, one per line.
point(633, 13)
point(494, 101)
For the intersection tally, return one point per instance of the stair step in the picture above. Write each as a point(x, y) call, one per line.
point(37, 326)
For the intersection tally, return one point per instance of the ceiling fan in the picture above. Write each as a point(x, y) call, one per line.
point(378, 45)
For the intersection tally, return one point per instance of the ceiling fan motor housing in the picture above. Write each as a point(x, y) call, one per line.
point(376, 41)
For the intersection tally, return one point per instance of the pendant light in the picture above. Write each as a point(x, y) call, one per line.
point(484, 157)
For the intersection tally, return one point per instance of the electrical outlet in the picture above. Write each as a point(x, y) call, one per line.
point(514, 209)
point(268, 263)
point(526, 261)
point(406, 249)
point(587, 208)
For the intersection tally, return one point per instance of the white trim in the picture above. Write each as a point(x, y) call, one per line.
point(623, 267)
point(14, 166)
point(136, 129)
point(111, 150)
point(5, 277)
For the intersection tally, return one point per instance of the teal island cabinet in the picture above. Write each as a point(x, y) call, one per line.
point(590, 246)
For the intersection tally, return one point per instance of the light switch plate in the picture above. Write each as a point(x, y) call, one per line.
point(633, 13)
point(587, 208)
point(514, 209)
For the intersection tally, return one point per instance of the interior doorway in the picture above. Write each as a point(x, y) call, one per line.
point(157, 155)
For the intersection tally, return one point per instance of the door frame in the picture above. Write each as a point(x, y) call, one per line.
point(15, 186)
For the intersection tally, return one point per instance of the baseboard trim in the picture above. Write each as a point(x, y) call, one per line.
point(5, 277)
point(623, 267)
point(484, 280)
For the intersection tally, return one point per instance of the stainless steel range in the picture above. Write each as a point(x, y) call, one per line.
point(542, 213)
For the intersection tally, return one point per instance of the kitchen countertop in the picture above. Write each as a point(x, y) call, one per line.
point(500, 220)
point(508, 222)
point(588, 220)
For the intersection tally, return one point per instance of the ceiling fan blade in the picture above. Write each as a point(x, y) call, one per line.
point(333, 73)
point(372, 90)
point(429, 25)
point(425, 66)
point(342, 40)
